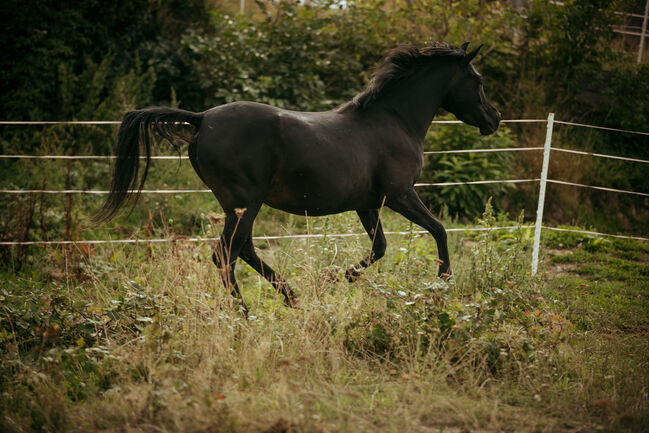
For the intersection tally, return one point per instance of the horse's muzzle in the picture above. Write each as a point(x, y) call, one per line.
point(493, 124)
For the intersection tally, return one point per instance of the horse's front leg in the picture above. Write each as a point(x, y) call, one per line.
point(410, 206)
point(372, 225)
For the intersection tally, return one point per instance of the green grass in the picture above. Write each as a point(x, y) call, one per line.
point(145, 338)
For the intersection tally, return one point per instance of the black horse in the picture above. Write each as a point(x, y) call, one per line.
point(359, 156)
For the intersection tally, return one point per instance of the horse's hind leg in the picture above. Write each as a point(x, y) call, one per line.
point(410, 206)
point(249, 255)
point(237, 229)
point(372, 225)
point(227, 274)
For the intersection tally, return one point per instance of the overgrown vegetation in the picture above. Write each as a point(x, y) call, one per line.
point(464, 201)
point(146, 338)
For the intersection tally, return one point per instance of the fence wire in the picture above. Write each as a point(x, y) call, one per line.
point(200, 239)
point(256, 238)
point(312, 236)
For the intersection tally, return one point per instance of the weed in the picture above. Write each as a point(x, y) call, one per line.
point(134, 337)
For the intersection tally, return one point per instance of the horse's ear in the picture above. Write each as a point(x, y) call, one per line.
point(471, 55)
point(464, 46)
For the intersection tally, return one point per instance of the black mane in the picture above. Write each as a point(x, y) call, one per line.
point(399, 63)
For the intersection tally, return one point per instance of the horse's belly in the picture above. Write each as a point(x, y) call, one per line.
point(316, 195)
point(318, 209)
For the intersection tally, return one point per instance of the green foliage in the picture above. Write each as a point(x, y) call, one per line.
point(43, 333)
point(305, 58)
point(48, 36)
point(66, 338)
point(147, 335)
point(92, 94)
point(466, 201)
point(542, 58)
point(559, 63)
point(492, 319)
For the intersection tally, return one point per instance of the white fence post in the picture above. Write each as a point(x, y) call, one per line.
point(544, 182)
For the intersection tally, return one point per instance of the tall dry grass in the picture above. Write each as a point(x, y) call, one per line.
point(399, 350)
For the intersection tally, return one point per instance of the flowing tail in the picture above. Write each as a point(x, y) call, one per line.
point(138, 129)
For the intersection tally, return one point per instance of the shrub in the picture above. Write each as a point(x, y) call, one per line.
point(466, 201)
point(492, 320)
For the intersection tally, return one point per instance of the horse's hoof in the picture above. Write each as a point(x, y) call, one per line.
point(446, 276)
point(352, 274)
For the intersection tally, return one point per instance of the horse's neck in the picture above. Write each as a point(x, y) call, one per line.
point(415, 101)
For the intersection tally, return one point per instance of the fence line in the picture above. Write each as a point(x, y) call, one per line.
point(99, 192)
point(433, 152)
point(257, 238)
point(84, 157)
point(439, 122)
point(117, 122)
point(600, 188)
point(457, 122)
point(186, 191)
point(312, 236)
point(506, 149)
point(477, 182)
point(172, 157)
point(538, 227)
point(605, 128)
point(592, 233)
point(56, 122)
point(600, 155)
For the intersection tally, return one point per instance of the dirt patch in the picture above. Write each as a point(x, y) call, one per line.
point(562, 268)
point(556, 252)
point(558, 269)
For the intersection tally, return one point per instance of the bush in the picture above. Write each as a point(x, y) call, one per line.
point(298, 57)
point(466, 201)
point(492, 320)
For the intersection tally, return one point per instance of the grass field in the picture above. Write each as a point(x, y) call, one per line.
point(145, 338)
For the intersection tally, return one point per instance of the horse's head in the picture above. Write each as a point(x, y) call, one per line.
point(466, 98)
